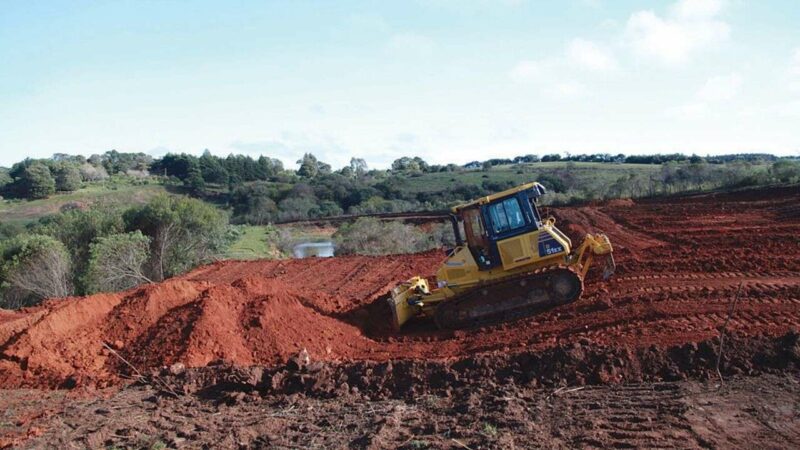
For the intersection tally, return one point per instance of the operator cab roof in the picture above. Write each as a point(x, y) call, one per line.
point(537, 190)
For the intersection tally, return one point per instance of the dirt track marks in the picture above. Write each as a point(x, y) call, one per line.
point(633, 416)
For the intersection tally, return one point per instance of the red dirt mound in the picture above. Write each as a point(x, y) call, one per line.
point(680, 262)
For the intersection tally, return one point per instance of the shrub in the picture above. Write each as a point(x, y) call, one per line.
point(77, 229)
point(371, 236)
point(37, 182)
point(34, 267)
point(117, 262)
point(68, 177)
point(184, 232)
point(295, 208)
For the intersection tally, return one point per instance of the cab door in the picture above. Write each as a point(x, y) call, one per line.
point(477, 238)
point(514, 230)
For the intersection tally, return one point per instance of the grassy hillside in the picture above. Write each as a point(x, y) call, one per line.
point(25, 211)
point(597, 174)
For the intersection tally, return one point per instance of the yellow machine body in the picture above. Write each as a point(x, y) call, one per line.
point(523, 253)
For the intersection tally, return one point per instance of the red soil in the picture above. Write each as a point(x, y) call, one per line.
point(680, 262)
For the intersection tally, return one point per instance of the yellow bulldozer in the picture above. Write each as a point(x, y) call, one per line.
point(512, 264)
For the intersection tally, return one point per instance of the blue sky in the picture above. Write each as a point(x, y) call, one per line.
point(450, 81)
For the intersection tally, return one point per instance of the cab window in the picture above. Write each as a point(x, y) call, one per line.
point(536, 217)
point(474, 228)
point(506, 215)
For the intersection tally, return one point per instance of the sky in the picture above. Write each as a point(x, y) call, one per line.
point(446, 80)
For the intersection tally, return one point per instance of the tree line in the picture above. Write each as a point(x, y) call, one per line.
point(261, 190)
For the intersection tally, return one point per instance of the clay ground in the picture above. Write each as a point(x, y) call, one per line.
point(748, 412)
point(653, 328)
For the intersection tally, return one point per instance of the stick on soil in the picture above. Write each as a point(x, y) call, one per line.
point(723, 329)
point(139, 374)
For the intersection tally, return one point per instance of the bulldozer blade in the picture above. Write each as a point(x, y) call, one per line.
point(398, 300)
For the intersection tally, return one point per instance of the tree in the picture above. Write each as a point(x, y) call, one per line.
point(90, 172)
point(116, 162)
point(5, 178)
point(785, 170)
point(36, 266)
point(552, 157)
point(184, 232)
point(212, 169)
point(371, 236)
point(77, 229)
point(37, 182)
point(268, 167)
point(309, 166)
point(194, 179)
point(254, 203)
point(175, 165)
point(68, 177)
point(117, 262)
point(407, 164)
point(295, 208)
point(325, 208)
point(358, 166)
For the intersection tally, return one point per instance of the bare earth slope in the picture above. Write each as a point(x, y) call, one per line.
point(680, 262)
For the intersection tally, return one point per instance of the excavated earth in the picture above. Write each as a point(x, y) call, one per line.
point(236, 331)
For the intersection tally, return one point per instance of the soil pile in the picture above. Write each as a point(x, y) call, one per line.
point(680, 262)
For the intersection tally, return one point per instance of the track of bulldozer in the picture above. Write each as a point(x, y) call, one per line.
point(511, 299)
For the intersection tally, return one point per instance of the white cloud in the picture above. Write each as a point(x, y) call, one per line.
point(714, 90)
point(569, 90)
point(369, 22)
point(693, 9)
point(588, 55)
point(528, 70)
point(549, 73)
point(720, 88)
point(411, 43)
point(794, 68)
point(691, 26)
point(695, 110)
point(578, 52)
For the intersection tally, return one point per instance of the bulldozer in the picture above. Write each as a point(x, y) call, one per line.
point(508, 263)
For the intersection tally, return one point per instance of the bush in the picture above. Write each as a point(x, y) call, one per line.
point(77, 229)
point(254, 204)
point(371, 236)
point(37, 182)
point(295, 208)
point(786, 171)
point(117, 262)
point(184, 232)
point(68, 177)
point(34, 267)
point(91, 173)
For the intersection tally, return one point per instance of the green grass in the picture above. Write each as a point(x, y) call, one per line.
point(254, 243)
point(273, 241)
point(25, 211)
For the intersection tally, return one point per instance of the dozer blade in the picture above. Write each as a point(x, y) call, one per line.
point(398, 300)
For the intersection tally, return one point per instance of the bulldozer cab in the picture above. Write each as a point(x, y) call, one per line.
point(497, 217)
